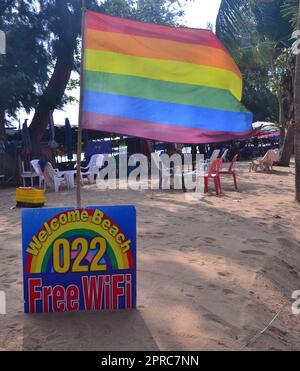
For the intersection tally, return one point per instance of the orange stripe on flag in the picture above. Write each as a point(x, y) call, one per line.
point(160, 49)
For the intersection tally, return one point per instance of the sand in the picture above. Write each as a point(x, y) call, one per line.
point(212, 273)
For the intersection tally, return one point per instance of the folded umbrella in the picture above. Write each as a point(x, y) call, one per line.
point(69, 139)
point(52, 143)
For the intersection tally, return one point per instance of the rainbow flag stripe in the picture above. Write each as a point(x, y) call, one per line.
point(162, 83)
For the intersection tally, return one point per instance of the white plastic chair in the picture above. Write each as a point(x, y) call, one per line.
point(37, 169)
point(212, 158)
point(27, 175)
point(52, 177)
point(93, 168)
point(223, 158)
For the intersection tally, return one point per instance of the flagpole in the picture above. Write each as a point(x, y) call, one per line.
point(79, 134)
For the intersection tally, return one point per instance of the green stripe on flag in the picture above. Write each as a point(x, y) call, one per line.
point(138, 87)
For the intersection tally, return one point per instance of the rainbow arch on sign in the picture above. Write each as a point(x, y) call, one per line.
point(115, 257)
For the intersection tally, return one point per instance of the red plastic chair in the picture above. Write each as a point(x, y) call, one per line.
point(231, 171)
point(214, 173)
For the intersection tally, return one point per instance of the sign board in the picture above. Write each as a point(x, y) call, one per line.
point(79, 259)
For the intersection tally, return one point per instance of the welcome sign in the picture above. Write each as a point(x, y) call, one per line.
point(79, 259)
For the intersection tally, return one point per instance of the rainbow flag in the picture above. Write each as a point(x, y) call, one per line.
point(162, 83)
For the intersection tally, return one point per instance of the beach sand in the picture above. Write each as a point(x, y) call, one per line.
point(212, 273)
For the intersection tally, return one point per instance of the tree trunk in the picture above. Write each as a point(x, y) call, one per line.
point(55, 90)
point(2, 137)
point(281, 119)
point(2, 124)
point(50, 99)
point(282, 136)
point(297, 117)
point(287, 148)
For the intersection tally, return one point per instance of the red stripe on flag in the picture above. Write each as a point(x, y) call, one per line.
point(107, 23)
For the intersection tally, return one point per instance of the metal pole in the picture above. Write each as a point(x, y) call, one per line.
point(79, 135)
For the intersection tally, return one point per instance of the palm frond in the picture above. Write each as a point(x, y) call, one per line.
point(290, 10)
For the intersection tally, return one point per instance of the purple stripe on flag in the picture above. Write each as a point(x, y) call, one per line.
point(159, 132)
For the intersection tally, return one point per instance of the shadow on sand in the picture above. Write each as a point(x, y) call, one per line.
point(87, 331)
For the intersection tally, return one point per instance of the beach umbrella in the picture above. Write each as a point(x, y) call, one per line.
point(26, 139)
point(265, 127)
point(2, 152)
point(52, 143)
point(69, 139)
point(85, 137)
point(2, 147)
point(26, 143)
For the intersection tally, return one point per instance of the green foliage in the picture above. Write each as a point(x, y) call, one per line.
point(120, 8)
point(23, 70)
point(239, 21)
point(158, 11)
point(269, 21)
point(257, 97)
point(39, 33)
point(290, 11)
point(258, 36)
point(233, 22)
point(281, 80)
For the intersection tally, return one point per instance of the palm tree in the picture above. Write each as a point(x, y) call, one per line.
point(290, 11)
point(247, 30)
point(297, 117)
point(232, 14)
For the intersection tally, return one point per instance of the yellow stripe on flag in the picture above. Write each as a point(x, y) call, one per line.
point(164, 70)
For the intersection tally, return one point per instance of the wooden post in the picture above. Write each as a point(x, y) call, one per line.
point(297, 118)
point(79, 134)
